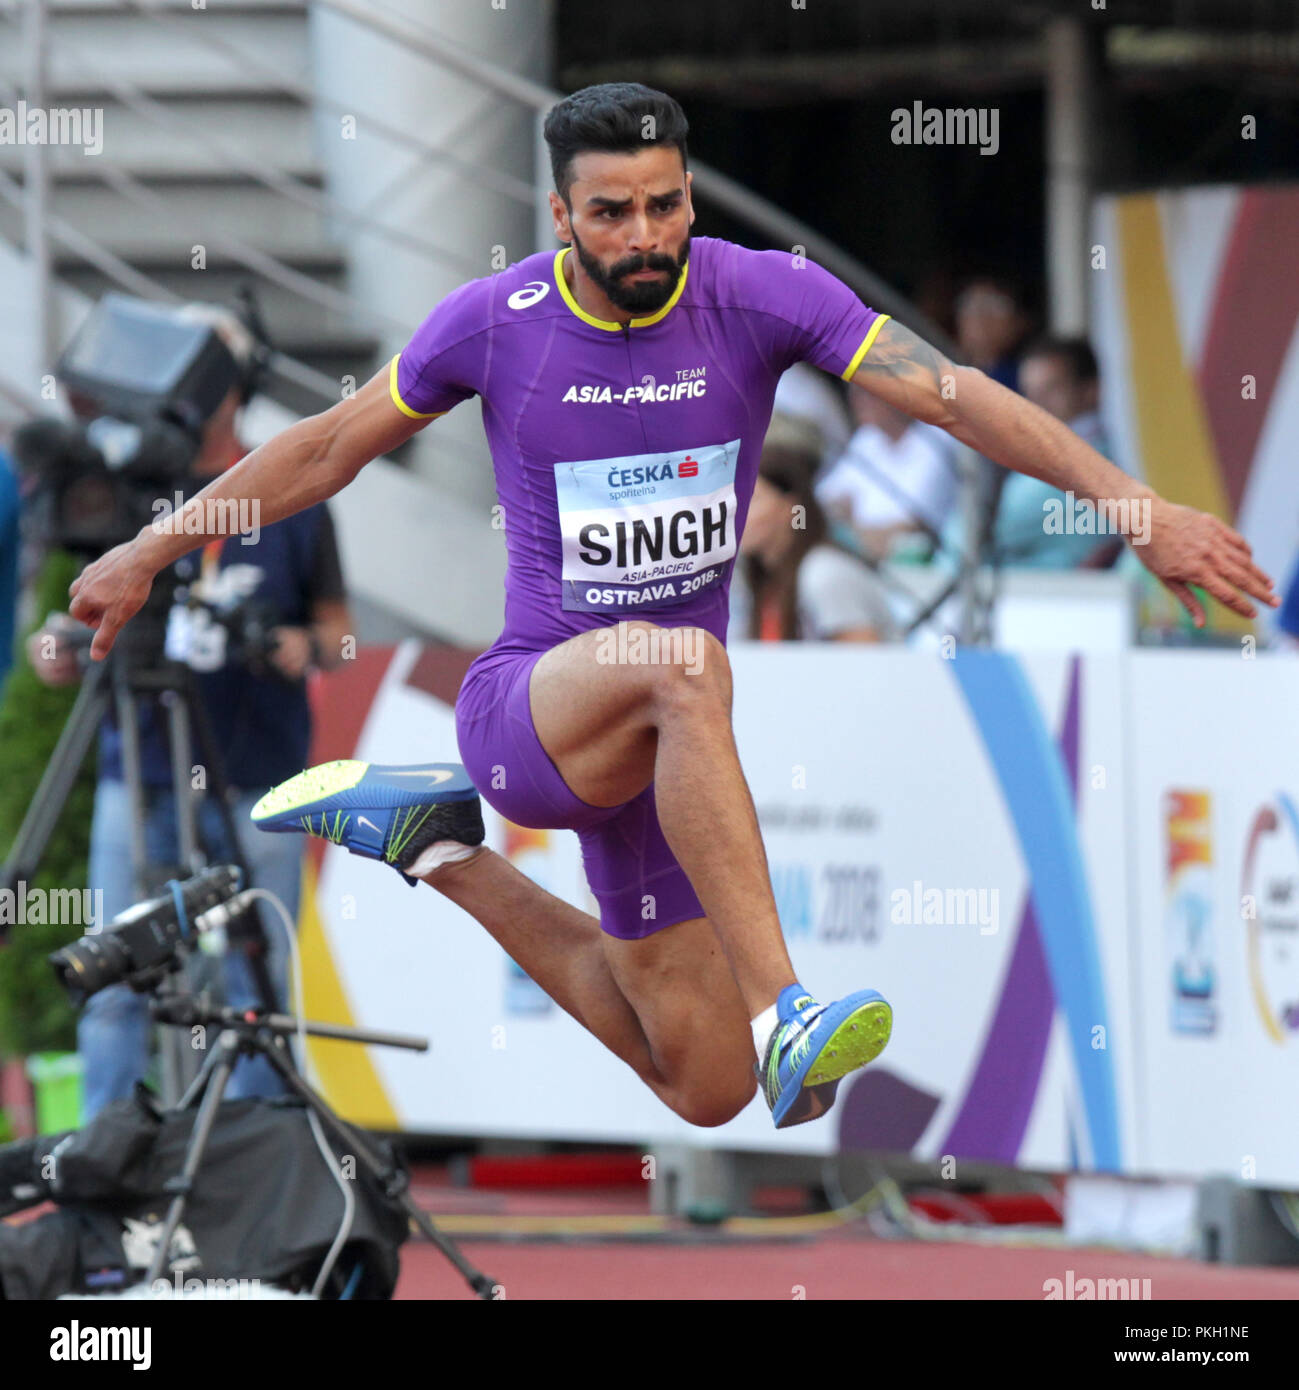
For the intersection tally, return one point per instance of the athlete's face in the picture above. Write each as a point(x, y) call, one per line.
point(629, 219)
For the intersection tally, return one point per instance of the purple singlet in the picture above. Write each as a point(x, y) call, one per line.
point(625, 459)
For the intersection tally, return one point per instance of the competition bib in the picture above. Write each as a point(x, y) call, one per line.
point(648, 530)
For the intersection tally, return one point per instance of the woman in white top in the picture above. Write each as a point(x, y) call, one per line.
point(794, 582)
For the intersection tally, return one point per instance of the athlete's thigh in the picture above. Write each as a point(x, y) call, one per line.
point(595, 716)
point(680, 984)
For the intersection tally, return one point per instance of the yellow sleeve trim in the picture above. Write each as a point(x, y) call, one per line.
point(401, 404)
point(861, 351)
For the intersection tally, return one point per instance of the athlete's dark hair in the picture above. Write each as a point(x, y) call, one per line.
point(1076, 353)
point(613, 118)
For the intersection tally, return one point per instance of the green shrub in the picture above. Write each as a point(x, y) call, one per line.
point(35, 1015)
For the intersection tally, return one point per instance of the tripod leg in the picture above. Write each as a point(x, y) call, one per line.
point(196, 1086)
point(481, 1284)
point(228, 1045)
point(180, 1069)
point(128, 722)
point(181, 748)
point(175, 1065)
point(191, 714)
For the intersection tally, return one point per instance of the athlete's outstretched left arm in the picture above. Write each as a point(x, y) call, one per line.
point(1182, 546)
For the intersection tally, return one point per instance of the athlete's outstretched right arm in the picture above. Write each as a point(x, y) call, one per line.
point(299, 467)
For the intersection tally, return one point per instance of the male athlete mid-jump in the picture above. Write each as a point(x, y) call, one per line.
point(627, 385)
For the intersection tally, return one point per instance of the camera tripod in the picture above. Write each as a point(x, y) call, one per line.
point(256, 1033)
point(137, 668)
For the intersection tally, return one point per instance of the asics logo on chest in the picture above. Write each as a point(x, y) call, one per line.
point(533, 292)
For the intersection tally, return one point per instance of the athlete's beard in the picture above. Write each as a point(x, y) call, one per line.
point(641, 296)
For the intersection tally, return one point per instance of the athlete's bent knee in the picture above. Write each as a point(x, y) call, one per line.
point(709, 1111)
point(695, 668)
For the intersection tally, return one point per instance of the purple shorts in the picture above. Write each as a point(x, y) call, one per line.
point(635, 878)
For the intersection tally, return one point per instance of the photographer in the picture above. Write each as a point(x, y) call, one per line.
point(264, 609)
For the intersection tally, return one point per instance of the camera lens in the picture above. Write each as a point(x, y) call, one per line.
point(88, 965)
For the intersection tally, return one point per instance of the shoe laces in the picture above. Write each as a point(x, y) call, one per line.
point(798, 1032)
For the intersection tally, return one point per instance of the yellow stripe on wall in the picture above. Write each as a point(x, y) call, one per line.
point(344, 1072)
point(1177, 449)
point(1176, 446)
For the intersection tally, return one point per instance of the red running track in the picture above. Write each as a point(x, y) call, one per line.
point(838, 1266)
point(846, 1263)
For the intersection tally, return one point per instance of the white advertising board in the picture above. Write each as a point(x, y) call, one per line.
point(907, 803)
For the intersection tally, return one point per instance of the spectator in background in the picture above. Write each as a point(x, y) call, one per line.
point(991, 325)
point(1061, 376)
point(805, 392)
point(795, 582)
point(992, 322)
point(10, 509)
point(895, 484)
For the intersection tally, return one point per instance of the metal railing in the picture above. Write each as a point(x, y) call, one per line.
point(746, 206)
point(709, 183)
point(44, 229)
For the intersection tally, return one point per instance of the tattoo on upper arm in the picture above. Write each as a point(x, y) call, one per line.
point(899, 353)
point(903, 357)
